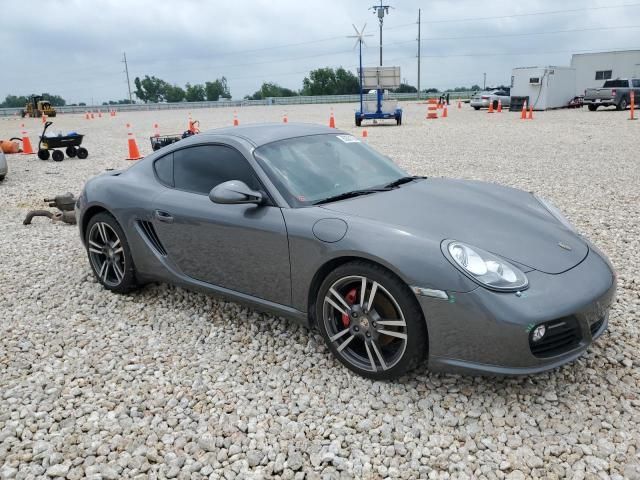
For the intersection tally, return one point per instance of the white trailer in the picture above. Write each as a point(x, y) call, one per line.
point(546, 87)
point(593, 69)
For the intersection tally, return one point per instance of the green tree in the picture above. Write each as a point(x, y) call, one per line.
point(475, 87)
point(174, 93)
point(195, 93)
point(150, 89)
point(430, 90)
point(406, 88)
point(269, 89)
point(346, 82)
point(13, 101)
point(56, 100)
point(217, 89)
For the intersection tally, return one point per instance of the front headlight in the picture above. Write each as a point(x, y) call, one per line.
point(557, 214)
point(486, 268)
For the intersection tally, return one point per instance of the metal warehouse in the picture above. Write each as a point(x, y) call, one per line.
point(554, 87)
point(592, 69)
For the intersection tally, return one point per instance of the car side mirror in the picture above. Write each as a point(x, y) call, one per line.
point(234, 192)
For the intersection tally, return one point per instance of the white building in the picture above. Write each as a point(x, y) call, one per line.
point(553, 87)
point(592, 69)
point(545, 87)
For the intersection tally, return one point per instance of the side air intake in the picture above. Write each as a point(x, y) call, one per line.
point(152, 236)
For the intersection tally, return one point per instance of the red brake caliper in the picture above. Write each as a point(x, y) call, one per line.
point(350, 298)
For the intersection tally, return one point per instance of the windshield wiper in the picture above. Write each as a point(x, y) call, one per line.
point(351, 194)
point(401, 181)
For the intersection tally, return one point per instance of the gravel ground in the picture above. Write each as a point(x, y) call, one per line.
point(168, 383)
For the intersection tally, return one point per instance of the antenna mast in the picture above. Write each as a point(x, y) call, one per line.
point(381, 10)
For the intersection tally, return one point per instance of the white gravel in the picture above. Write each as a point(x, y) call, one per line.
point(166, 383)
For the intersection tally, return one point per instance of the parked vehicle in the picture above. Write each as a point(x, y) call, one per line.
point(36, 107)
point(4, 168)
point(312, 224)
point(484, 99)
point(616, 93)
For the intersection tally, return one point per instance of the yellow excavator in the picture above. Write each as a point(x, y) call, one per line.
point(37, 106)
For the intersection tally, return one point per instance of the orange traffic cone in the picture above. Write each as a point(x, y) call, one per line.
point(190, 121)
point(499, 106)
point(27, 149)
point(444, 112)
point(99, 113)
point(332, 120)
point(156, 130)
point(134, 153)
point(523, 113)
point(530, 117)
point(86, 115)
point(459, 104)
point(432, 109)
point(365, 134)
point(92, 117)
point(284, 118)
point(632, 106)
point(44, 118)
point(235, 119)
point(490, 107)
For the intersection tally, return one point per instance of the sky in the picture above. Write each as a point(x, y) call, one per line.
point(74, 48)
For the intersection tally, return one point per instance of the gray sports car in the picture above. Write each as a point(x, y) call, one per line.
point(309, 223)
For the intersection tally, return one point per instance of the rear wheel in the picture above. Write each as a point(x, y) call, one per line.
point(71, 152)
point(495, 104)
point(371, 321)
point(358, 122)
point(622, 105)
point(43, 154)
point(109, 254)
point(476, 108)
point(82, 153)
point(57, 156)
point(592, 108)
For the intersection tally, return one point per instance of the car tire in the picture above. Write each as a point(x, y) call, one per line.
point(356, 336)
point(476, 108)
point(495, 104)
point(109, 254)
point(592, 108)
point(622, 105)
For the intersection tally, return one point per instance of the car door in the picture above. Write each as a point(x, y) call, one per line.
point(635, 84)
point(239, 247)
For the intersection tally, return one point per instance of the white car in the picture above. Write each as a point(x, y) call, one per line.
point(484, 99)
point(4, 168)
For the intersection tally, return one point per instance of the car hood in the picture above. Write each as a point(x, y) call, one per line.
point(507, 222)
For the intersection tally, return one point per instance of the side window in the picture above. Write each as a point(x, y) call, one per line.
point(164, 169)
point(636, 83)
point(199, 169)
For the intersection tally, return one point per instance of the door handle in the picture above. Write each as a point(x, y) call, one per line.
point(163, 216)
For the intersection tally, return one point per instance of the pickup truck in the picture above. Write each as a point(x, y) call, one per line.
point(613, 93)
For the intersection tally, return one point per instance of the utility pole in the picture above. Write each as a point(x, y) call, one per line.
point(380, 10)
point(418, 54)
point(126, 69)
point(484, 83)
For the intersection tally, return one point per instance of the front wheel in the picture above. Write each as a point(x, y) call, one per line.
point(592, 108)
point(371, 321)
point(476, 108)
point(109, 254)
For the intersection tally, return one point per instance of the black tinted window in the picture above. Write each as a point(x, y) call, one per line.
point(199, 169)
point(636, 83)
point(616, 84)
point(164, 169)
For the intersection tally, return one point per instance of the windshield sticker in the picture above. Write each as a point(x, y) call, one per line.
point(348, 138)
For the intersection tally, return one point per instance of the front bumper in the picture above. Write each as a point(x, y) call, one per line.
point(606, 102)
point(487, 332)
point(479, 103)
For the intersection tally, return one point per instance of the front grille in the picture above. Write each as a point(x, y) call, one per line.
point(596, 326)
point(152, 236)
point(561, 336)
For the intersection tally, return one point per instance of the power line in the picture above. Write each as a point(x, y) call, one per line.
point(518, 15)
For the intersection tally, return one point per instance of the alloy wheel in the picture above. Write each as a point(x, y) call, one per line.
point(106, 254)
point(365, 323)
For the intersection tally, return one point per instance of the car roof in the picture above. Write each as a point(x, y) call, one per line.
point(262, 133)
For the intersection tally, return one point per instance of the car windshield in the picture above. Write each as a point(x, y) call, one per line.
point(313, 168)
point(616, 83)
